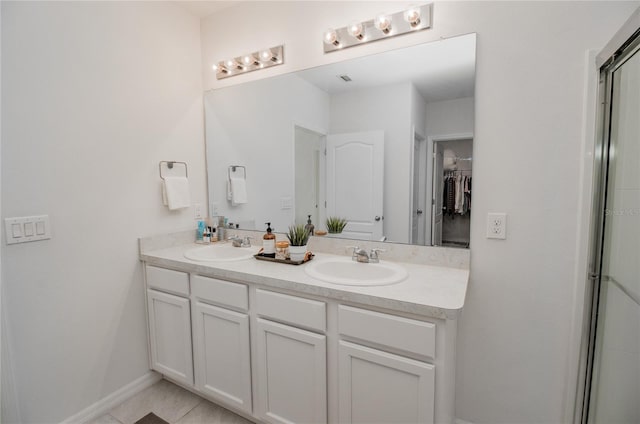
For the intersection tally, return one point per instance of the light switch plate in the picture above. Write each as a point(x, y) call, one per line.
point(27, 228)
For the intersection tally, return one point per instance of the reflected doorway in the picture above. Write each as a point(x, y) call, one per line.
point(309, 148)
point(451, 191)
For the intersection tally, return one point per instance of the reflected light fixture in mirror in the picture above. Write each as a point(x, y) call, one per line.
point(250, 62)
point(383, 26)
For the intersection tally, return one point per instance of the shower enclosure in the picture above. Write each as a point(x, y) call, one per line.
point(612, 387)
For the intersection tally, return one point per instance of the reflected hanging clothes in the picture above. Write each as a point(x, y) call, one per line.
point(456, 194)
point(450, 193)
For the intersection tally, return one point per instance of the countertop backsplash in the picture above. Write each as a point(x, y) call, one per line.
point(423, 255)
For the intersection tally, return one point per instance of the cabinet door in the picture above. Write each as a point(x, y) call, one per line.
point(170, 336)
point(380, 387)
point(292, 378)
point(221, 351)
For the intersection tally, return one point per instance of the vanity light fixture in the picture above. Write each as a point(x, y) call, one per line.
point(383, 26)
point(250, 62)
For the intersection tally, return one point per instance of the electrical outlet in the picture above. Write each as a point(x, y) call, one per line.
point(497, 226)
point(197, 211)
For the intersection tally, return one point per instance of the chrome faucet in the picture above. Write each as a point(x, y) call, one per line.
point(361, 255)
point(240, 242)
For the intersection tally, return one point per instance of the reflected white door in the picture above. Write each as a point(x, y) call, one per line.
point(436, 214)
point(355, 182)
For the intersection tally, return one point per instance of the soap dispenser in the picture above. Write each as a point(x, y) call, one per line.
point(269, 243)
point(309, 227)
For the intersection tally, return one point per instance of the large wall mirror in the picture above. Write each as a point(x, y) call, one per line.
point(383, 141)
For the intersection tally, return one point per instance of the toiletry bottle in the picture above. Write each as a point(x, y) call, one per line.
point(206, 236)
point(269, 243)
point(200, 231)
point(214, 234)
point(309, 227)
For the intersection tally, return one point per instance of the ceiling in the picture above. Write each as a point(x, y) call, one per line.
point(440, 70)
point(203, 9)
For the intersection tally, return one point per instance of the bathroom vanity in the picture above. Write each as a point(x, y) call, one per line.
point(274, 344)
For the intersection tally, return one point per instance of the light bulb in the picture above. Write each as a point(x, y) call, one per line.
point(249, 60)
point(267, 55)
point(331, 37)
point(220, 67)
point(413, 17)
point(383, 23)
point(356, 30)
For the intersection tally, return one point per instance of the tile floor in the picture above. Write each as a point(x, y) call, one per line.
point(171, 403)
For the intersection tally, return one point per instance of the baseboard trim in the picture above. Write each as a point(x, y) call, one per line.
point(109, 402)
point(459, 421)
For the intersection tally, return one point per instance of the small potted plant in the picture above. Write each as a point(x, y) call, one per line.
point(335, 224)
point(298, 237)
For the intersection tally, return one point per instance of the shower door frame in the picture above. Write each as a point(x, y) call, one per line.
point(628, 44)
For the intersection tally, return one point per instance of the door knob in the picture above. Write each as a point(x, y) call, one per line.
point(419, 211)
point(377, 218)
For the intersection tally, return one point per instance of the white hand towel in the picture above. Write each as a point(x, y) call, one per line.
point(178, 193)
point(238, 191)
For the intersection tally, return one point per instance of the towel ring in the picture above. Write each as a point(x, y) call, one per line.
point(170, 164)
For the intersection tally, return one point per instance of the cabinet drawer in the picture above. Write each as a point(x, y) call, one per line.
point(293, 310)
point(168, 280)
point(389, 330)
point(224, 293)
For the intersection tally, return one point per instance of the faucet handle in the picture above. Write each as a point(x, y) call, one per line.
point(353, 253)
point(373, 256)
point(246, 242)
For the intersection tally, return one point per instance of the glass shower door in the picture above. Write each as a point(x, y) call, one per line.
point(615, 385)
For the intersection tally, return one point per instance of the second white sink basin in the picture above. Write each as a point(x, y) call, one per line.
point(347, 272)
point(220, 253)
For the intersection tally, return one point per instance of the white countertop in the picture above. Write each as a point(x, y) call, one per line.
point(433, 291)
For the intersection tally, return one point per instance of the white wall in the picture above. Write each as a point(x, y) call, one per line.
point(94, 96)
point(514, 335)
point(386, 108)
point(254, 126)
point(448, 117)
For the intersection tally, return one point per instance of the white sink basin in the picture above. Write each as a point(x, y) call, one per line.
point(347, 272)
point(220, 253)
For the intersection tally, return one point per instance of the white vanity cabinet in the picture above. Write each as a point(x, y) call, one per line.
point(292, 374)
point(278, 357)
point(221, 346)
point(170, 323)
point(378, 386)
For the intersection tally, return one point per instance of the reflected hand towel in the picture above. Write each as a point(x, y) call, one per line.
point(238, 191)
